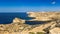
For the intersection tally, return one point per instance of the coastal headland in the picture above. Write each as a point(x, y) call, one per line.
point(49, 23)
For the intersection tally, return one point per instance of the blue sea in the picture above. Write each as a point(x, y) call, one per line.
point(6, 18)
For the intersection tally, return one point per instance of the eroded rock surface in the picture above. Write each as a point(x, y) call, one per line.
point(18, 25)
point(55, 31)
point(44, 16)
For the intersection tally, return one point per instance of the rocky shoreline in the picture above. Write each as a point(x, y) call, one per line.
point(18, 25)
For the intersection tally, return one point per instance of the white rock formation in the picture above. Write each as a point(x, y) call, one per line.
point(18, 20)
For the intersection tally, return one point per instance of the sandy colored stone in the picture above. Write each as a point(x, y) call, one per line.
point(55, 31)
point(18, 25)
point(18, 20)
point(44, 16)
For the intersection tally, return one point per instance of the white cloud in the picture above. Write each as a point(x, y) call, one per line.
point(53, 2)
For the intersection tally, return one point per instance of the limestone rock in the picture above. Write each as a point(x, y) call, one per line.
point(14, 28)
point(55, 31)
point(44, 16)
point(18, 25)
point(18, 20)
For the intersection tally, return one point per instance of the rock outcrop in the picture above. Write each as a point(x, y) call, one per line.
point(45, 16)
point(55, 30)
point(14, 28)
point(18, 25)
point(18, 20)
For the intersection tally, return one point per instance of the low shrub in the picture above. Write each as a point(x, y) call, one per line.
point(31, 33)
point(39, 33)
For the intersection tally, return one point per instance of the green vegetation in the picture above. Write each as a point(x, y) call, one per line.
point(39, 33)
point(31, 33)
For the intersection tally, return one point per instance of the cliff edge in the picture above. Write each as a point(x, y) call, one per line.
point(18, 25)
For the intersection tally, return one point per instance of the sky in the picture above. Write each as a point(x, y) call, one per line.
point(29, 5)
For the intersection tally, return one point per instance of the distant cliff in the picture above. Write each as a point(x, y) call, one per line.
point(50, 27)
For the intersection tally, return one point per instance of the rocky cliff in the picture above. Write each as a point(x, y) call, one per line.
point(14, 28)
point(48, 28)
point(18, 25)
